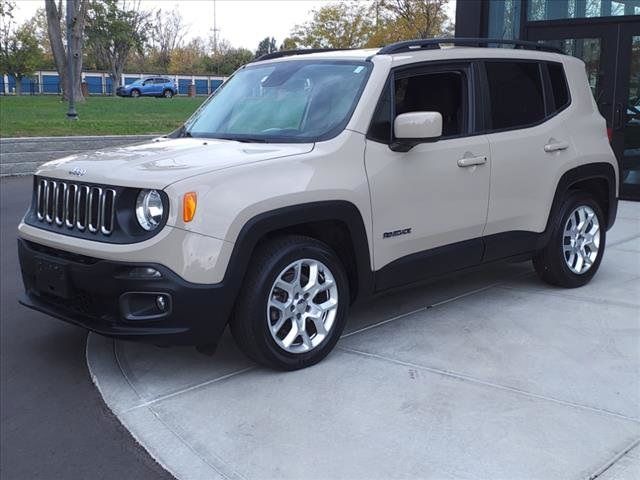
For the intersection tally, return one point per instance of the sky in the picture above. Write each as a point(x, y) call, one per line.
point(242, 22)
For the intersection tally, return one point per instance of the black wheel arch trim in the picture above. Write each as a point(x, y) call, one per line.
point(269, 222)
point(600, 170)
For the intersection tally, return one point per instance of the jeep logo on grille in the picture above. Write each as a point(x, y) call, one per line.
point(78, 172)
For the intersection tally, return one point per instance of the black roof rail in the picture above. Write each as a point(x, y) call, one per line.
point(288, 53)
point(434, 43)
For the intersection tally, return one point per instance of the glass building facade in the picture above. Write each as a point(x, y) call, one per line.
point(605, 34)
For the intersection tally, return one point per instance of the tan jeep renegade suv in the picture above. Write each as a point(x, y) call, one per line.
point(312, 179)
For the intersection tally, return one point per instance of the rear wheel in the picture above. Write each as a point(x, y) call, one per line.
point(576, 245)
point(293, 304)
point(135, 93)
point(167, 93)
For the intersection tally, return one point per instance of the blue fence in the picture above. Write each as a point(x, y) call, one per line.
point(99, 84)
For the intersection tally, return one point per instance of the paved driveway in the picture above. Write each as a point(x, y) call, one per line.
point(53, 423)
point(488, 375)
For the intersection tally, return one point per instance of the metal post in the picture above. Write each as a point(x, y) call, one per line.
point(71, 113)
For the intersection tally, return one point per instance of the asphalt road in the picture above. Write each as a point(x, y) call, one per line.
point(53, 423)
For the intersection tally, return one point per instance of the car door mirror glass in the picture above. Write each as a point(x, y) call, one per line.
point(413, 128)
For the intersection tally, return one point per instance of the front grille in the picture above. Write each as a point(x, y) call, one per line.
point(75, 206)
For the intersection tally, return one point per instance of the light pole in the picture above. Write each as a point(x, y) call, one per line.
point(71, 55)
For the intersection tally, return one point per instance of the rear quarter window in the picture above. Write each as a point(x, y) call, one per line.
point(559, 87)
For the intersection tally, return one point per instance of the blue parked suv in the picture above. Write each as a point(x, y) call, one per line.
point(151, 86)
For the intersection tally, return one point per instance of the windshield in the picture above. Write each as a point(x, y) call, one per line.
point(295, 101)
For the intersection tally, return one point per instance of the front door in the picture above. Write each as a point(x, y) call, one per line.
point(429, 204)
point(611, 52)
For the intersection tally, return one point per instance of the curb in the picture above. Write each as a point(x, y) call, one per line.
point(164, 445)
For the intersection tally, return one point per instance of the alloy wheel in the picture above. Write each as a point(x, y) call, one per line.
point(302, 306)
point(581, 239)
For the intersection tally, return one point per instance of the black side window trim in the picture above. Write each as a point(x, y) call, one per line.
point(467, 67)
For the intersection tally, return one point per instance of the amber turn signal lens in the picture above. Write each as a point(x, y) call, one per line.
point(189, 203)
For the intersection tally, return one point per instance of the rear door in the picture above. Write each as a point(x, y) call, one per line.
point(147, 86)
point(527, 117)
point(430, 203)
point(160, 84)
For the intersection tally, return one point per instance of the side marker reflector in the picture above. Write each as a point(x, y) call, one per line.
point(189, 204)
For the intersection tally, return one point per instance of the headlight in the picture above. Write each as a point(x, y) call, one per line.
point(149, 209)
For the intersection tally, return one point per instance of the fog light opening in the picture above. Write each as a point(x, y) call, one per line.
point(162, 303)
point(140, 306)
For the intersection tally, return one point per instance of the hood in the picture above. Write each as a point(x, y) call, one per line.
point(164, 161)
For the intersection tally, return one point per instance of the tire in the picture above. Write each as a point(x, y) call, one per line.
point(167, 93)
point(135, 93)
point(262, 327)
point(563, 262)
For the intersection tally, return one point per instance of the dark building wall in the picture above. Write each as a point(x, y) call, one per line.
point(470, 18)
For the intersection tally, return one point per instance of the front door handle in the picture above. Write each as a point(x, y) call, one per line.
point(555, 147)
point(471, 161)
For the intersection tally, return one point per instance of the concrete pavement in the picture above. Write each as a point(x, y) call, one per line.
point(492, 374)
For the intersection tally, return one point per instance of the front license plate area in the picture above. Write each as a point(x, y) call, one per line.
point(52, 278)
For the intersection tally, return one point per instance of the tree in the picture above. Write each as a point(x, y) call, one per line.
point(61, 55)
point(6, 12)
point(229, 61)
point(289, 44)
point(115, 29)
point(398, 20)
point(341, 25)
point(188, 59)
point(39, 21)
point(169, 31)
point(359, 24)
point(20, 53)
point(267, 45)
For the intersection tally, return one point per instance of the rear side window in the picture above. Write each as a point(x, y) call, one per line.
point(558, 86)
point(516, 94)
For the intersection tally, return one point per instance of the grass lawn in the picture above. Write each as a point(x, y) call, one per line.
point(31, 116)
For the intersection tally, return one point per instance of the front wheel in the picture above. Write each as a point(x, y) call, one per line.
point(135, 93)
point(293, 304)
point(576, 245)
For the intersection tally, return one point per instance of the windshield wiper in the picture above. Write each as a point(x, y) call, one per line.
point(245, 139)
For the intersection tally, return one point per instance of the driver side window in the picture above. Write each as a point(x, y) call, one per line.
point(444, 92)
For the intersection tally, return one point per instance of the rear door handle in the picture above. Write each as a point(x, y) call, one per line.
point(471, 161)
point(555, 147)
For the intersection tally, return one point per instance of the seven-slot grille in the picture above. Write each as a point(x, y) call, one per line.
point(76, 206)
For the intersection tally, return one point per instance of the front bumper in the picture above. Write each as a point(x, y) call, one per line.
point(101, 296)
point(122, 92)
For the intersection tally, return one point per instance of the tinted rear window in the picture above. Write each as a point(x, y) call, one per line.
point(516, 94)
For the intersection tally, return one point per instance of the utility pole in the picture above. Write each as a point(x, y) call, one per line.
point(71, 55)
point(215, 29)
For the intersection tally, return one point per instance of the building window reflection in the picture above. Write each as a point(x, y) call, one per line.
point(504, 19)
point(559, 9)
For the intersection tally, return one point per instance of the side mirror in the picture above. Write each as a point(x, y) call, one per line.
point(411, 129)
